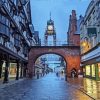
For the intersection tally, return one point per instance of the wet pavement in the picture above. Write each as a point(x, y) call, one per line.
point(88, 86)
point(49, 87)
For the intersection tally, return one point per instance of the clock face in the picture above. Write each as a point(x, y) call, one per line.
point(50, 27)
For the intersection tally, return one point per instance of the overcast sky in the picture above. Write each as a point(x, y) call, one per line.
point(60, 11)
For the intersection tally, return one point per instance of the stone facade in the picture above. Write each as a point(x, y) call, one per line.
point(90, 27)
point(90, 41)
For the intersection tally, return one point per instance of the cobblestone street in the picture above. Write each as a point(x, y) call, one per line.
point(49, 87)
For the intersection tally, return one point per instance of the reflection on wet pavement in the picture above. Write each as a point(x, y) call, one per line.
point(90, 87)
point(49, 87)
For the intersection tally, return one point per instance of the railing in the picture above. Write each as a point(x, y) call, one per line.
point(57, 43)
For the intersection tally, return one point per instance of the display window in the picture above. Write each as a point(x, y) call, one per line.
point(88, 70)
point(99, 69)
point(12, 70)
point(93, 70)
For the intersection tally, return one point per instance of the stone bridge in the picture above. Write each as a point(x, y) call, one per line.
point(71, 55)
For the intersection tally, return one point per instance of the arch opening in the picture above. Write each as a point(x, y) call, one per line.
point(50, 62)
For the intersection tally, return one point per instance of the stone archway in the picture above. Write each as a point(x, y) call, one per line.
point(49, 62)
point(71, 54)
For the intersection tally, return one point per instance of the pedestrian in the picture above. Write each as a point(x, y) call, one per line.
point(37, 74)
point(57, 74)
point(73, 73)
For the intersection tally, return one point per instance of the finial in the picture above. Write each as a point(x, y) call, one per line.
point(50, 15)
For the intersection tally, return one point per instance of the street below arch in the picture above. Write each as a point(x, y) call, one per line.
point(49, 87)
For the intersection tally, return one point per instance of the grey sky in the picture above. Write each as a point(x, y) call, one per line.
point(60, 9)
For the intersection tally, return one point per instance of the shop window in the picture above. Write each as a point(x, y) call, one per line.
point(99, 69)
point(88, 70)
point(93, 70)
point(12, 70)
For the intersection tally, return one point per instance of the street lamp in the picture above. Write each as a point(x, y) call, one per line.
point(84, 43)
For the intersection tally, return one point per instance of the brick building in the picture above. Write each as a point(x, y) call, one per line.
point(73, 35)
point(74, 30)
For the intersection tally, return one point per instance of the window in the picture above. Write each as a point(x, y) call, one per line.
point(1, 40)
point(17, 40)
point(12, 70)
point(93, 70)
point(88, 70)
point(4, 30)
point(89, 18)
point(15, 2)
point(94, 12)
point(99, 4)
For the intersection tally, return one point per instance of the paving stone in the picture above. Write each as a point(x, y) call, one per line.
point(49, 87)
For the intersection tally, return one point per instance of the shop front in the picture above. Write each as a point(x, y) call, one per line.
point(12, 66)
point(92, 69)
point(12, 70)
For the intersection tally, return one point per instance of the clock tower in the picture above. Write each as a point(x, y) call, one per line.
point(50, 31)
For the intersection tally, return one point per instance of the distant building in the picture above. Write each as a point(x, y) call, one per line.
point(73, 33)
point(37, 39)
point(90, 41)
point(16, 37)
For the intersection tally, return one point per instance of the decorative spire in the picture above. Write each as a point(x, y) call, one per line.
point(50, 15)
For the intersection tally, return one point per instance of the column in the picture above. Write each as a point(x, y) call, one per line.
point(46, 40)
point(17, 73)
point(1, 63)
point(33, 70)
point(66, 72)
point(54, 40)
point(25, 69)
point(21, 71)
point(6, 72)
